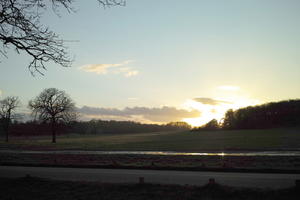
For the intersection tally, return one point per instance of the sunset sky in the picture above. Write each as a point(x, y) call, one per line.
point(160, 61)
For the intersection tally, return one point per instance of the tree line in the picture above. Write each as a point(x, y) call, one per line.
point(112, 126)
point(54, 113)
point(39, 128)
point(269, 115)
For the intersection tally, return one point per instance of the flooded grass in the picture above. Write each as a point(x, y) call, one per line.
point(145, 161)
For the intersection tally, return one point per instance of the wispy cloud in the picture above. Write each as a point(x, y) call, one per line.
point(210, 101)
point(117, 68)
point(142, 114)
point(229, 87)
point(127, 71)
point(132, 98)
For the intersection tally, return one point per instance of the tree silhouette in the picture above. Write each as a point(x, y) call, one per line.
point(180, 125)
point(21, 30)
point(269, 115)
point(228, 122)
point(211, 125)
point(7, 109)
point(53, 106)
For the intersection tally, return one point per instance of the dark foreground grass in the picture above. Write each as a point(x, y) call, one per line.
point(43, 189)
point(267, 139)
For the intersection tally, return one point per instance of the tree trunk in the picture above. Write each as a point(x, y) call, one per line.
point(53, 131)
point(6, 128)
point(6, 139)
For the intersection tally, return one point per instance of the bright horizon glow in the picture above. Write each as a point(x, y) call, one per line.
point(209, 112)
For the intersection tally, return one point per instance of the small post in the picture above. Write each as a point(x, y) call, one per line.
point(211, 181)
point(141, 180)
point(297, 182)
point(152, 164)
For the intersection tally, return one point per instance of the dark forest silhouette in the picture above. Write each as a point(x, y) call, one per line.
point(35, 128)
point(270, 115)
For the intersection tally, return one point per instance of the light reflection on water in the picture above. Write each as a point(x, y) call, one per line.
point(169, 153)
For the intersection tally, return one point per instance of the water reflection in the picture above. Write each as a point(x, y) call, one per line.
point(169, 153)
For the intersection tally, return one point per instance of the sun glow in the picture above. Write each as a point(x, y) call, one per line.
point(215, 111)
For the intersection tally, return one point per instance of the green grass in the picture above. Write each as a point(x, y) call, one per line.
point(43, 189)
point(269, 139)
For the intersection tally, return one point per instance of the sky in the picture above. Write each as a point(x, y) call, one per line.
point(160, 61)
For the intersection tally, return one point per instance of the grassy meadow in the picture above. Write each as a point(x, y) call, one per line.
point(222, 140)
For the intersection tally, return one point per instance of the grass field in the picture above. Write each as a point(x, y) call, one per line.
point(271, 139)
point(43, 189)
point(205, 141)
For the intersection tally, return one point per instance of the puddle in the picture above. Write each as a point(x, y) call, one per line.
point(169, 153)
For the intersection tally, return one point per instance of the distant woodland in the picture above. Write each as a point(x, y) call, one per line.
point(269, 115)
point(35, 128)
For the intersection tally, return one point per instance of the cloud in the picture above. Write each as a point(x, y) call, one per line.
point(210, 101)
point(127, 71)
point(0, 92)
point(131, 73)
point(132, 98)
point(229, 87)
point(141, 114)
point(117, 68)
point(98, 68)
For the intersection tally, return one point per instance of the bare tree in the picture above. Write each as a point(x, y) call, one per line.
point(21, 30)
point(53, 106)
point(7, 112)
